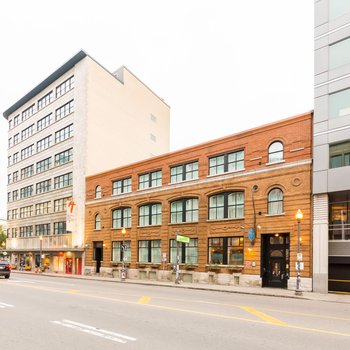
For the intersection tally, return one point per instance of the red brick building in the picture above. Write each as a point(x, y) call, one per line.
point(235, 198)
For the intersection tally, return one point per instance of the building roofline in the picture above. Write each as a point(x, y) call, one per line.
point(45, 83)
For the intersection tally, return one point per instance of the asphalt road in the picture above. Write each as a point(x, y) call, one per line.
point(40, 312)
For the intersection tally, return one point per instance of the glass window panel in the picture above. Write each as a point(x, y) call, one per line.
point(339, 53)
point(339, 104)
point(338, 8)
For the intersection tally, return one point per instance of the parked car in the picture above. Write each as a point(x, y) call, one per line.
point(5, 268)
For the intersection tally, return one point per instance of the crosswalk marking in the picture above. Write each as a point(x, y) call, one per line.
point(264, 317)
point(117, 337)
point(4, 305)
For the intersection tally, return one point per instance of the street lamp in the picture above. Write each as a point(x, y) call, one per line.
point(298, 216)
point(123, 249)
point(41, 253)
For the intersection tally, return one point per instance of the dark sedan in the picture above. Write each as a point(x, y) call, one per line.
point(5, 268)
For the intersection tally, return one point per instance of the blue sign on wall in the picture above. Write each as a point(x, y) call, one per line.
point(251, 234)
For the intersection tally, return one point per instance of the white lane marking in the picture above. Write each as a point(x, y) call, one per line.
point(3, 305)
point(95, 331)
point(20, 281)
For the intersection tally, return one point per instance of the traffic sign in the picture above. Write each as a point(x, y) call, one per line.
point(183, 239)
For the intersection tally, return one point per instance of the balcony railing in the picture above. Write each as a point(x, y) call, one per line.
point(339, 232)
point(56, 242)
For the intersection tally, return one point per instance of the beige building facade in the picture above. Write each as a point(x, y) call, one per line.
point(77, 122)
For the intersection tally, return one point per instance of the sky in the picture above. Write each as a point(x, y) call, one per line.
point(223, 66)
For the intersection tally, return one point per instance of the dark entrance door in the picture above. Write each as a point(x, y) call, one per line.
point(339, 274)
point(275, 260)
point(98, 255)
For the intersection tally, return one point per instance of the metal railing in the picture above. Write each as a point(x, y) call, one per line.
point(339, 232)
point(54, 242)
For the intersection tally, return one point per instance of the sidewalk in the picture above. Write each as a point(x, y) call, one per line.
point(272, 292)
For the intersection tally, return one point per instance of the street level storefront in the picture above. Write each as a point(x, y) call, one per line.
point(233, 200)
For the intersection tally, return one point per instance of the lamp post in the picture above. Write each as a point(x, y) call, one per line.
point(298, 216)
point(41, 253)
point(122, 255)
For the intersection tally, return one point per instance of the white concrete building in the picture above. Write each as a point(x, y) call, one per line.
point(331, 168)
point(79, 121)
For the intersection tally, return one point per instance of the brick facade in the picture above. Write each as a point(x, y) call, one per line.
point(292, 175)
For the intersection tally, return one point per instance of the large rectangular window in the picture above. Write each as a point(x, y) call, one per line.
point(45, 100)
point(339, 104)
point(150, 251)
point(43, 165)
point(188, 252)
point(339, 220)
point(226, 162)
point(43, 144)
point(43, 122)
point(65, 86)
point(42, 208)
point(27, 152)
point(64, 180)
point(43, 186)
point(121, 217)
point(339, 155)
point(27, 171)
point(64, 157)
point(152, 179)
point(26, 191)
point(59, 228)
point(228, 205)
point(184, 210)
point(42, 230)
point(26, 212)
point(26, 231)
point(339, 53)
point(64, 133)
point(61, 204)
point(66, 109)
point(226, 251)
point(122, 186)
point(150, 214)
point(27, 112)
point(184, 172)
point(120, 253)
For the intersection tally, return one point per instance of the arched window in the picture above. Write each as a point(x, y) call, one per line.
point(98, 192)
point(275, 201)
point(228, 205)
point(184, 210)
point(276, 152)
point(98, 222)
point(150, 214)
point(121, 217)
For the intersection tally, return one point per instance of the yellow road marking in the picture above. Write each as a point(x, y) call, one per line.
point(144, 300)
point(72, 291)
point(263, 316)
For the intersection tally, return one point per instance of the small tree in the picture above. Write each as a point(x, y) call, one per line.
point(2, 237)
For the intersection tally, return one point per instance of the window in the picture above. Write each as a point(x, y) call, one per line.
point(64, 157)
point(339, 104)
point(188, 252)
point(226, 251)
point(14, 195)
point(10, 142)
point(15, 176)
point(339, 220)
point(120, 253)
point(121, 217)
point(64, 180)
point(27, 132)
point(275, 152)
point(27, 112)
point(65, 86)
point(152, 179)
point(98, 192)
point(9, 215)
point(339, 53)
point(16, 120)
point(15, 139)
point(59, 228)
point(150, 251)
point(150, 214)
point(26, 212)
point(64, 110)
point(42, 230)
point(228, 205)
point(10, 124)
point(44, 101)
point(184, 210)
point(43, 122)
point(64, 133)
point(275, 201)
point(14, 214)
point(61, 204)
point(27, 171)
point(339, 155)
point(43, 165)
point(27, 191)
point(14, 232)
point(338, 8)
point(97, 222)
point(26, 231)
point(42, 208)
point(9, 160)
point(9, 178)
point(184, 172)
point(43, 144)
point(43, 186)
point(8, 197)
point(226, 162)
point(122, 186)
point(15, 158)
point(27, 152)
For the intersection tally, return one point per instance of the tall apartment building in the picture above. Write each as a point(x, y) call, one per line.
point(331, 168)
point(234, 198)
point(79, 121)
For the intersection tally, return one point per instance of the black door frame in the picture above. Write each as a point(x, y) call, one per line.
point(98, 254)
point(269, 278)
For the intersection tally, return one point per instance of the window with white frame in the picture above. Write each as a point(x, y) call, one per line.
point(150, 214)
point(42, 208)
point(43, 165)
point(64, 157)
point(43, 122)
point(43, 143)
point(15, 139)
point(26, 212)
point(26, 191)
point(275, 201)
point(27, 171)
point(98, 192)
point(184, 210)
point(63, 180)
point(14, 195)
point(27, 152)
point(97, 222)
point(15, 158)
point(227, 205)
point(16, 120)
point(121, 217)
point(14, 214)
point(28, 112)
point(152, 179)
point(15, 176)
point(43, 186)
point(61, 204)
point(276, 152)
point(27, 132)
